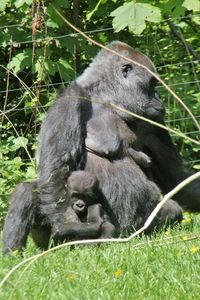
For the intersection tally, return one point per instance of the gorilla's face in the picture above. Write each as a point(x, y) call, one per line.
point(135, 86)
point(83, 191)
point(113, 79)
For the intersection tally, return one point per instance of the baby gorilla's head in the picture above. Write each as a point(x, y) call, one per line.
point(83, 191)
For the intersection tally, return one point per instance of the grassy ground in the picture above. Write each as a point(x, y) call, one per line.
point(163, 266)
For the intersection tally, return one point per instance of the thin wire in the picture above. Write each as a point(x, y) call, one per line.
point(180, 18)
point(50, 38)
point(191, 162)
point(179, 64)
point(71, 34)
point(68, 82)
point(38, 86)
point(191, 132)
point(179, 83)
point(10, 26)
point(47, 105)
point(180, 119)
point(171, 18)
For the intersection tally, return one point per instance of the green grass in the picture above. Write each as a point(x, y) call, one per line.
point(163, 266)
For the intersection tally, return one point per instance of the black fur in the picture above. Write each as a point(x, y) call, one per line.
point(85, 214)
point(167, 168)
point(20, 217)
point(129, 192)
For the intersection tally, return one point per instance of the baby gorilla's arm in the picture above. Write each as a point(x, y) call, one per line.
point(140, 158)
point(77, 230)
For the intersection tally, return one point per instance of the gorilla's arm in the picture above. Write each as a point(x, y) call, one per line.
point(61, 150)
point(97, 225)
point(167, 168)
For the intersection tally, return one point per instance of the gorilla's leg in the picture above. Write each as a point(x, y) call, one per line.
point(108, 230)
point(167, 169)
point(171, 213)
point(20, 217)
point(189, 197)
point(41, 234)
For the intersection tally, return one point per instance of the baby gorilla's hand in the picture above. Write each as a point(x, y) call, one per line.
point(95, 214)
point(143, 160)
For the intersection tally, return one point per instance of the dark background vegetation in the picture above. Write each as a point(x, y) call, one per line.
point(40, 55)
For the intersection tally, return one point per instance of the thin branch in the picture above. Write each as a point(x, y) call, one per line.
point(8, 77)
point(170, 195)
point(24, 146)
point(115, 240)
point(181, 38)
point(188, 47)
point(128, 59)
point(26, 87)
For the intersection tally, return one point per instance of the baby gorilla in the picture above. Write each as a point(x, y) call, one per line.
point(83, 190)
point(85, 215)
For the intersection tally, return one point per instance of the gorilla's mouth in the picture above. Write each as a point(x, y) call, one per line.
point(153, 112)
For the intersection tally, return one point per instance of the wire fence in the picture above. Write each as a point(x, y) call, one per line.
point(6, 92)
point(61, 83)
point(103, 29)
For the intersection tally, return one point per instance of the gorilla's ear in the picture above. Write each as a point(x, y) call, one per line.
point(126, 68)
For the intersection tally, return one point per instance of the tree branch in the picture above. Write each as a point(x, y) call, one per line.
point(181, 38)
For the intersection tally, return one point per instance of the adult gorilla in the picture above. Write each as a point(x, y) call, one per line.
point(68, 130)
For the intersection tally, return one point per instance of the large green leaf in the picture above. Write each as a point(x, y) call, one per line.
point(65, 69)
point(18, 143)
point(50, 66)
point(192, 5)
point(54, 20)
point(19, 3)
point(20, 61)
point(173, 8)
point(134, 16)
point(52, 24)
point(38, 68)
point(3, 4)
point(90, 14)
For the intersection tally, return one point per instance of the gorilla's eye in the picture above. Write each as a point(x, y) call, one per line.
point(125, 69)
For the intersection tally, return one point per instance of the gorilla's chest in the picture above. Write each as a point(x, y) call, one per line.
point(122, 174)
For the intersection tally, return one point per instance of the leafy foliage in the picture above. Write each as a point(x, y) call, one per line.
point(13, 169)
point(192, 5)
